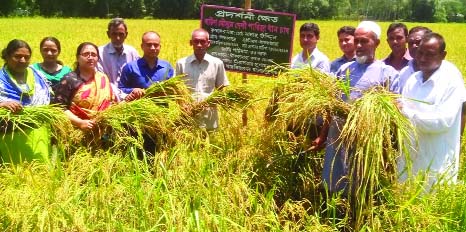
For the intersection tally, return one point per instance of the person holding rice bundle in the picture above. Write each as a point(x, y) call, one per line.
point(51, 67)
point(138, 75)
point(433, 100)
point(84, 91)
point(204, 73)
point(362, 74)
point(22, 86)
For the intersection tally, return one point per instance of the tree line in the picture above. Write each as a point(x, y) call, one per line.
point(405, 10)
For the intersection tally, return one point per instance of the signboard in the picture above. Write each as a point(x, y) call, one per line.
point(248, 41)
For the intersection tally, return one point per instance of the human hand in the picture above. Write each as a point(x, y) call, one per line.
point(317, 144)
point(12, 106)
point(135, 94)
point(86, 124)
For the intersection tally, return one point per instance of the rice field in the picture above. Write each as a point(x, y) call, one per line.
point(240, 178)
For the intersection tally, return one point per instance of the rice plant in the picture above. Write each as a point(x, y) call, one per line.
point(375, 135)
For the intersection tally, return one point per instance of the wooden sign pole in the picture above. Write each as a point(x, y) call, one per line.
point(247, 6)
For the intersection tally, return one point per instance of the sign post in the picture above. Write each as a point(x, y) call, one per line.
point(247, 40)
point(244, 116)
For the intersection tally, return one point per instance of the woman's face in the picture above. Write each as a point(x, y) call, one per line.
point(88, 57)
point(18, 61)
point(49, 51)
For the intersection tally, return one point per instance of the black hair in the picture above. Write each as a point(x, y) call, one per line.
point(13, 46)
point(310, 27)
point(394, 26)
point(438, 37)
point(115, 22)
point(347, 30)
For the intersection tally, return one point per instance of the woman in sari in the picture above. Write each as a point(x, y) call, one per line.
point(51, 67)
point(22, 86)
point(84, 91)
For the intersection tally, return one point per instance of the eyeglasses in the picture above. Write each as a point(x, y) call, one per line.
point(200, 41)
point(87, 54)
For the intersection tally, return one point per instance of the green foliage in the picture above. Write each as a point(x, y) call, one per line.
point(416, 10)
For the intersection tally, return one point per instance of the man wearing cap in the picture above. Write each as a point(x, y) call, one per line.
point(362, 74)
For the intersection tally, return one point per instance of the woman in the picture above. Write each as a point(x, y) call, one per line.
point(51, 67)
point(84, 91)
point(21, 86)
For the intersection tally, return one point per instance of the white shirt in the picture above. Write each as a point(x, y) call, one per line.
point(437, 120)
point(202, 79)
point(317, 60)
point(404, 74)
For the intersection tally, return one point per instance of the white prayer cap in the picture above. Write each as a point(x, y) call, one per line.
point(372, 26)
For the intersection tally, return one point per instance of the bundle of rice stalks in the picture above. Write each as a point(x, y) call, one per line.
point(375, 134)
point(229, 98)
point(129, 123)
point(34, 117)
point(303, 95)
point(174, 87)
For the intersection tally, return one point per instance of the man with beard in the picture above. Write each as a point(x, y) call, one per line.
point(362, 74)
point(114, 55)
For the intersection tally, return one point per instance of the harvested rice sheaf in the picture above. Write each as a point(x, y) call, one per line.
point(229, 98)
point(303, 95)
point(174, 87)
point(127, 122)
point(377, 134)
point(34, 117)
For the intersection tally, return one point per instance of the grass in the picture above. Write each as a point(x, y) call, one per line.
point(238, 178)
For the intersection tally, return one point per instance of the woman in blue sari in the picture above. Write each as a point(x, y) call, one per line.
point(22, 86)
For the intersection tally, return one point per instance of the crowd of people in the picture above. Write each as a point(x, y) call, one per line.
point(431, 88)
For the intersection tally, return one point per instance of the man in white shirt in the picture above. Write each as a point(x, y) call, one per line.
point(114, 55)
point(204, 73)
point(310, 56)
point(414, 39)
point(432, 101)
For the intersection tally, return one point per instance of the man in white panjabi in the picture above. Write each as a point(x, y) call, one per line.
point(432, 99)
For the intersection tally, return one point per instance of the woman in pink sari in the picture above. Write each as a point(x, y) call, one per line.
point(84, 91)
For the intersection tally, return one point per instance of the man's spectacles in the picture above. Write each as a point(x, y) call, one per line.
point(87, 54)
point(200, 41)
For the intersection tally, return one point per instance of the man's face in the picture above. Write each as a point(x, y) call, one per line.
point(308, 40)
point(151, 45)
point(414, 39)
point(397, 41)
point(428, 56)
point(366, 42)
point(200, 42)
point(117, 35)
point(346, 42)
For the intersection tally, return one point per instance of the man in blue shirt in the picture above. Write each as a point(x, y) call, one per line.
point(346, 42)
point(138, 75)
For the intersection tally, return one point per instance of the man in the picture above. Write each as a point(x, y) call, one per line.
point(138, 75)
point(396, 38)
point(346, 42)
point(414, 39)
point(432, 101)
point(362, 74)
point(115, 54)
point(310, 56)
point(204, 73)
